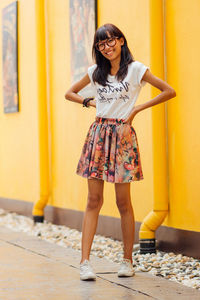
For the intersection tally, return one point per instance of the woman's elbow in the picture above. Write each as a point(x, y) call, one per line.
point(172, 93)
point(67, 95)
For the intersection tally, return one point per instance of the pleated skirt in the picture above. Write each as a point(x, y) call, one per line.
point(110, 152)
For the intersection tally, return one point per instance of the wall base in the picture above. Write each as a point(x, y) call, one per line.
point(167, 238)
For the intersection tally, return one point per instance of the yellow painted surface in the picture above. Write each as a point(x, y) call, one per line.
point(69, 122)
point(158, 111)
point(160, 184)
point(183, 71)
point(19, 131)
point(41, 202)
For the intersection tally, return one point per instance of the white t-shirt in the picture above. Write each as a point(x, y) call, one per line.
point(117, 98)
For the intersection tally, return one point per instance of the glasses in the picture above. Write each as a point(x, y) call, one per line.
point(111, 42)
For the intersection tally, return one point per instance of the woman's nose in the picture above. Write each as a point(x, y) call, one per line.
point(106, 46)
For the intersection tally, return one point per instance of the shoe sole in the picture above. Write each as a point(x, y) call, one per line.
point(88, 278)
point(125, 275)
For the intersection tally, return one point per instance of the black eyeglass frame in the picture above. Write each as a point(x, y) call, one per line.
point(106, 42)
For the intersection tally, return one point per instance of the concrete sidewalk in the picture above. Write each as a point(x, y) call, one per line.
point(35, 269)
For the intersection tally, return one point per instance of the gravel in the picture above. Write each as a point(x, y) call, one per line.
point(179, 268)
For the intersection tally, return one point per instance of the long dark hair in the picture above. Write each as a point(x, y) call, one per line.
point(103, 65)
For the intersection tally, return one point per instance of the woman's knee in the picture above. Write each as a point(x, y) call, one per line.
point(95, 201)
point(123, 205)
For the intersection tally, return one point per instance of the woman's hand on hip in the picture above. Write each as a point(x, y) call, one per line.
point(133, 113)
point(92, 103)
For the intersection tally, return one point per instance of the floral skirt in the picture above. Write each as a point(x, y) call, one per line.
point(110, 152)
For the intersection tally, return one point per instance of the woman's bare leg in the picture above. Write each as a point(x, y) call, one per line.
point(123, 199)
point(94, 204)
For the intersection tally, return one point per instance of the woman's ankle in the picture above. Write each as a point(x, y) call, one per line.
point(129, 258)
point(83, 259)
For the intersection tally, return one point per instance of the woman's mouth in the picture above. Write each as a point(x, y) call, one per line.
point(109, 53)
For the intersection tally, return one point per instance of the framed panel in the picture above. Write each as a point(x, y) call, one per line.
point(83, 23)
point(10, 58)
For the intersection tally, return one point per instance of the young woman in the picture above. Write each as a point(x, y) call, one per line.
point(111, 151)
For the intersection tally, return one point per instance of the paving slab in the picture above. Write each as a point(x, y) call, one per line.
point(32, 268)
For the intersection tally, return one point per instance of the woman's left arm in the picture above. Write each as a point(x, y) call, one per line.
point(167, 92)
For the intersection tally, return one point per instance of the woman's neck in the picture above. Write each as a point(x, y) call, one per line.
point(115, 64)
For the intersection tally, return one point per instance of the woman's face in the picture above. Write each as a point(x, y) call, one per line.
point(112, 52)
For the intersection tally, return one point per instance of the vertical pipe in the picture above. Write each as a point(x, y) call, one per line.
point(38, 209)
point(160, 185)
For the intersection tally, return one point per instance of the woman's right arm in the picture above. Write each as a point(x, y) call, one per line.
point(72, 93)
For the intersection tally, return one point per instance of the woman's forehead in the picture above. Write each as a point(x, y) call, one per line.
point(103, 35)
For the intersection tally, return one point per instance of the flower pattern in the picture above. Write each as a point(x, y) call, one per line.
point(110, 152)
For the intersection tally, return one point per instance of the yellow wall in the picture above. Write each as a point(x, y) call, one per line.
point(19, 131)
point(183, 62)
point(69, 122)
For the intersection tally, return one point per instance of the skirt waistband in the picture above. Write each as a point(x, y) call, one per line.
point(109, 121)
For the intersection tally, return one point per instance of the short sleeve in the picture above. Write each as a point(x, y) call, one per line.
point(90, 72)
point(141, 69)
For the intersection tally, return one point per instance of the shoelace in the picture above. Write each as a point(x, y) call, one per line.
point(86, 264)
point(126, 263)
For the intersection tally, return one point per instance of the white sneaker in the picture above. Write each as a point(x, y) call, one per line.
point(126, 268)
point(86, 271)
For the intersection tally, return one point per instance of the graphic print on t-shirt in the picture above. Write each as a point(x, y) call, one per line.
point(111, 92)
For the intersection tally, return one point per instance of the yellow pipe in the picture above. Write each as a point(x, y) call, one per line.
point(151, 222)
point(160, 185)
point(38, 209)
